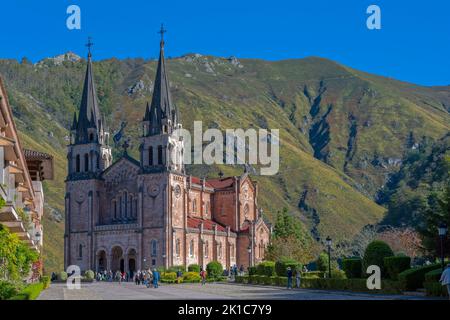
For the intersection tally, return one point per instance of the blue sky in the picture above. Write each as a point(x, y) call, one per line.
point(413, 44)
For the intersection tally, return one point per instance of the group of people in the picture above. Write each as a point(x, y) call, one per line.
point(144, 277)
point(298, 276)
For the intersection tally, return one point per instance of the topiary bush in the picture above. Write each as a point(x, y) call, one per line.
point(193, 268)
point(191, 276)
point(214, 270)
point(284, 263)
point(375, 253)
point(352, 267)
point(62, 276)
point(266, 268)
point(89, 275)
point(433, 276)
point(395, 265)
point(415, 277)
point(252, 271)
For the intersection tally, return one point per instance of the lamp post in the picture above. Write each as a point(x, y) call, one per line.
point(329, 255)
point(145, 264)
point(442, 233)
point(249, 249)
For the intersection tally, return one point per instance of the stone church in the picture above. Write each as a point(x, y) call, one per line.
point(131, 215)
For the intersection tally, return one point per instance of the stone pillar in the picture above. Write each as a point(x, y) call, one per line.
point(125, 263)
point(108, 261)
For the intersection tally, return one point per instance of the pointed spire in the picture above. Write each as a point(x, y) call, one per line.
point(89, 116)
point(147, 113)
point(161, 106)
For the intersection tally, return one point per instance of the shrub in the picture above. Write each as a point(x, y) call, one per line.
point(433, 276)
point(252, 271)
point(284, 263)
point(435, 289)
point(7, 290)
point(266, 268)
point(375, 253)
point(314, 274)
point(89, 275)
point(214, 270)
point(414, 278)
point(357, 285)
point(338, 274)
point(191, 276)
point(168, 275)
point(352, 267)
point(194, 268)
point(395, 265)
point(62, 276)
point(45, 281)
point(30, 292)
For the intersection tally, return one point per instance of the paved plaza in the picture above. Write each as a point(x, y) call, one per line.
point(130, 291)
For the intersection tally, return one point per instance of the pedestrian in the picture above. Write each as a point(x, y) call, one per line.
point(241, 270)
point(179, 275)
point(203, 276)
point(445, 279)
point(289, 278)
point(136, 279)
point(298, 277)
point(155, 278)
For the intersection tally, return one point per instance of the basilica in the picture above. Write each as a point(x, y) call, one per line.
point(134, 214)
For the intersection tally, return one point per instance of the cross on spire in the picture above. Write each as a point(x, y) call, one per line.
point(161, 32)
point(89, 44)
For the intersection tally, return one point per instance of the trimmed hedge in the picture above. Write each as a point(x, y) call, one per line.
point(214, 270)
point(282, 265)
point(62, 276)
point(395, 265)
point(191, 277)
point(433, 276)
point(375, 253)
point(356, 285)
point(435, 289)
point(313, 274)
point(193, 268)
point(30, 292)
point(266, 268)
point(352, 267)
point(414, 278)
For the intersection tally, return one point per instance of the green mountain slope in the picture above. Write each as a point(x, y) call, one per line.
point(342, 131)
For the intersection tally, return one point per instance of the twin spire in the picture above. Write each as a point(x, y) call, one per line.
point(161, 114)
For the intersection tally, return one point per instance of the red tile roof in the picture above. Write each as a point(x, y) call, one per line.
point(197, 180)
point(221, 183)
point(207, 224)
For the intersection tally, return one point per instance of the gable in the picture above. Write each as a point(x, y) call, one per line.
point(124, 168)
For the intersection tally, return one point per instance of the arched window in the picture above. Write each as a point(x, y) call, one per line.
point(77, 163)
point(130, 213)
point(80, 251)
point(177, 247)
point(114, 205)
point(98, 161)
point(191, 248)
point(91, 137)
point(207, 207)
point(246, 210)
point(120, 207)
point(154, 248)
point(232, 250)
point(150, 156)
point(261, 249)
point(86, 162)
point(194, 205)
point(160, 155)
point(125, 207)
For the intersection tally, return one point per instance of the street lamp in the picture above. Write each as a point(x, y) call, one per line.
point(442, 233)
point(145, 264)
point(329, 255)
point(249, 249)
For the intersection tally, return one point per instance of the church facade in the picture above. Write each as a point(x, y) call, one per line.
point(137, 214)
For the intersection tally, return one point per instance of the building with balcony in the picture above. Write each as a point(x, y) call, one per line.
point(21, 174)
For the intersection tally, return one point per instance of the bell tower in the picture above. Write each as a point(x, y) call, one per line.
point(161, 145)
point(88, 155)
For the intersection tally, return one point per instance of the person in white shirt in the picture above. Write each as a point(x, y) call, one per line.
point(445, 279)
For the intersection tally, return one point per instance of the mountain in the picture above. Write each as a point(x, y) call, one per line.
point(343, 132)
